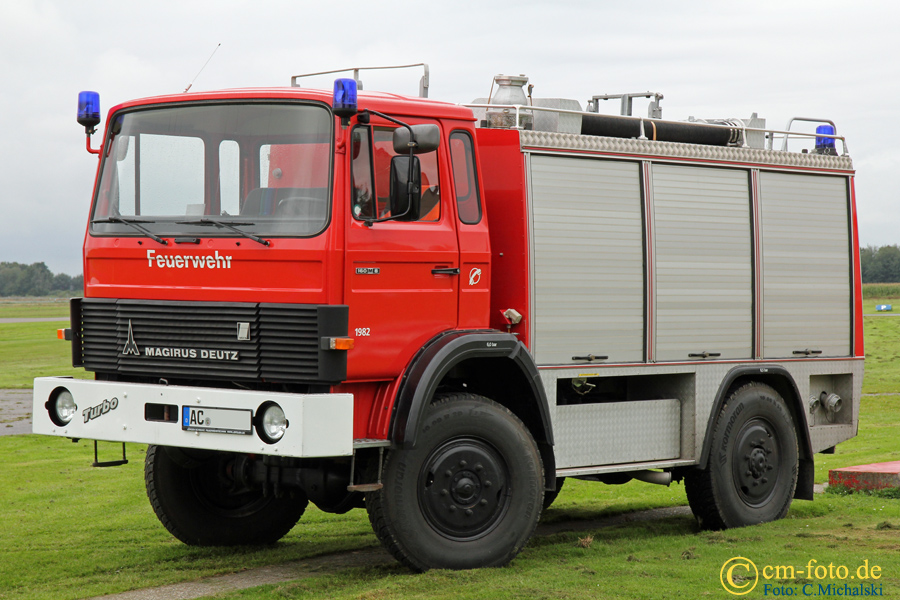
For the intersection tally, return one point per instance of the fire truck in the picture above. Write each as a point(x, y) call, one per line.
point(439, 312)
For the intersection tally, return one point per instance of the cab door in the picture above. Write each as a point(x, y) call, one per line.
point(402, 279)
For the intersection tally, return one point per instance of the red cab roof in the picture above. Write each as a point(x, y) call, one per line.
point(392, 104)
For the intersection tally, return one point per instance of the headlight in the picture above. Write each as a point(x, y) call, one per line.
point(272, 423)
point(62, 407)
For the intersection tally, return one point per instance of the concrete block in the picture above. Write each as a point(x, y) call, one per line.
point(876, 476)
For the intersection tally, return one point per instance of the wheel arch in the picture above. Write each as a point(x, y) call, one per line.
point(782, 382)
point(491, 363)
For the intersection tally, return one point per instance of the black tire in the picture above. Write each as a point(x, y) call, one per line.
point(469, 493)
point(550, 497)
point(201, 506)
point(753, 462)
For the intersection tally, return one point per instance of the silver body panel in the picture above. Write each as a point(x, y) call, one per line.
point(620, 432)
point(648, 252)
point(582, 431)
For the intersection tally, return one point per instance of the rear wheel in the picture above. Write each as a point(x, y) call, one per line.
point(198, 501)
point(467, 495)
point(751, 473)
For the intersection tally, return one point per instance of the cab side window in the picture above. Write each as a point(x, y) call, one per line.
point(462, 159)
point(363, 187)
point(371, 168)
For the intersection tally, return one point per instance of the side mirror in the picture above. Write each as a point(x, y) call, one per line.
point(428, 138)
point(406, 193)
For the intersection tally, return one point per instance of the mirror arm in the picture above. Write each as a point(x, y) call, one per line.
point(412, 134)
point(412, 150)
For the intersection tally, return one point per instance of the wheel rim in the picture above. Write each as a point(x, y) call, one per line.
point(216, 489)
point(755, 462)
point(463, 488)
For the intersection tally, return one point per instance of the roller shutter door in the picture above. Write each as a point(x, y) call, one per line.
point(588, 259)
point(805, 264)
point(704, 293)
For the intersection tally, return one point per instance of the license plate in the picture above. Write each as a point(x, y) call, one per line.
point(235, 421)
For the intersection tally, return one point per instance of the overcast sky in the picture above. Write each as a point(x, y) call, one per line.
point(836, 60)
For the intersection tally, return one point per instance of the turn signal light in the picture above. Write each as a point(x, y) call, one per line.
point(341, 343)
point(64, 334)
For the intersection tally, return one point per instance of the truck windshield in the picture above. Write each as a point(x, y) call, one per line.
point(261, 168)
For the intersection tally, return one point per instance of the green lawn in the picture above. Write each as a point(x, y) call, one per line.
point(882, 338)
point(72, 531)
point(34, 310)
point(649, 560)
point(29, 350)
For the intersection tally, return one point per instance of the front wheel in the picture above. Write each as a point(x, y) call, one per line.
point(467, 495)
point(751, 474)
point(199, 503)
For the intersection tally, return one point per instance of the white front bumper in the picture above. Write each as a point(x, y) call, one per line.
point(319, 424)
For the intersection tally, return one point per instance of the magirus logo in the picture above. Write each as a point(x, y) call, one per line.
point(130, 344)
point(131, 348)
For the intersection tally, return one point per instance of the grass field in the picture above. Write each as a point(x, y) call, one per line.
point(885, 291)
point(70, 531)
point(35, 310)
point(29, 350)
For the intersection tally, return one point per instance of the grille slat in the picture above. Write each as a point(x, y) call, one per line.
point(283, 344)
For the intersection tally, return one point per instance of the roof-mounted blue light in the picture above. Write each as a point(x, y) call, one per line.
point(88, 109)
point(344, 98)
point(825, 145)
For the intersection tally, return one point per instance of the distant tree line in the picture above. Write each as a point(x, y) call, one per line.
point(36, 279)
point(880, 264)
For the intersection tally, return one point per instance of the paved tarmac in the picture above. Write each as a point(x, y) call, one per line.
point(15, 412)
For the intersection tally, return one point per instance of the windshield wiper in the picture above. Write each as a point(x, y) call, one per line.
point(232, 227)
point(135, 225)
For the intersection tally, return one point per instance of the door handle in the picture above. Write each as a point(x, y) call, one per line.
point(808, 352)
point(445, 271)
point(704, 354)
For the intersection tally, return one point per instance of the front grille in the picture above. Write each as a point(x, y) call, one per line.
point(200, 340)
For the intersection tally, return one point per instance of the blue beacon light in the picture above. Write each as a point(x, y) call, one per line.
point(89, 110)
point(344, 104)
point(825, 145)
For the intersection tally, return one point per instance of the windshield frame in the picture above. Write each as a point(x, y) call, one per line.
point(191, 225)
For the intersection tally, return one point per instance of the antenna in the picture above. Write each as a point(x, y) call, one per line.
point(201, 68)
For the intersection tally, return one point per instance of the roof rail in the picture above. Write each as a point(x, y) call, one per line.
point(518, 113)
point(787, 133)
point(423, 82)
point(654, 111)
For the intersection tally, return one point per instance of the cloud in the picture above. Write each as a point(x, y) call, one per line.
point(710, 59)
